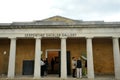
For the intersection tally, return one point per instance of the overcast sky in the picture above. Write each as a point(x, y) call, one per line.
point(87, 10)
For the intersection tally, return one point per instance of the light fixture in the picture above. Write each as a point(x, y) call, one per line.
point(4, 52)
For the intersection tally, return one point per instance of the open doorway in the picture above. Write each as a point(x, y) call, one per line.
point(54, 61)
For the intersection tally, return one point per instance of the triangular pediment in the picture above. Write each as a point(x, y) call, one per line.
point(59, 19)
point(55, 20)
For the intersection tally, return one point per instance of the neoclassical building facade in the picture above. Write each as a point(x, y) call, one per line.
point(23, 44)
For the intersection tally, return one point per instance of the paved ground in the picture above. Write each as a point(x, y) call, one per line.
point(57, 78)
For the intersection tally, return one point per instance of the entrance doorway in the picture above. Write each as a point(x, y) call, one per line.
point(54, 57)
point(53, 61)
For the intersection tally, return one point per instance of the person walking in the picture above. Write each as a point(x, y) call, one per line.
point(79, 68)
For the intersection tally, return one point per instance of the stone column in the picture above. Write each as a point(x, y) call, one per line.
point(11, 66)
point(90, 65)
point(63, 59)
point(116, 54)
point(37, 67)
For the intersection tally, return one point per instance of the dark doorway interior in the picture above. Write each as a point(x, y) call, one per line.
point(28, 67)
point(68, 63)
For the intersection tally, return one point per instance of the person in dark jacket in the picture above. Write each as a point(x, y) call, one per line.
point(79, 68)
point(46, 67)
point(42, 67)
point(52, 64)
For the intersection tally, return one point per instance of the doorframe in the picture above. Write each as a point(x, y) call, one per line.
point(46, 53)
point(47, 50)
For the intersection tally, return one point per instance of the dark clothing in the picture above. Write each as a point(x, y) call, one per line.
point(46, 65)
point(52, 64)
point(42, 67)
point(74, 70)
point(42, 70)
point(79, 64)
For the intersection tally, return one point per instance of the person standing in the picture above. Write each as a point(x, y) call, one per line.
point(73, 66)
point(79, 68)
point(52, 64)
point(42, 67)
point(45, 66)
